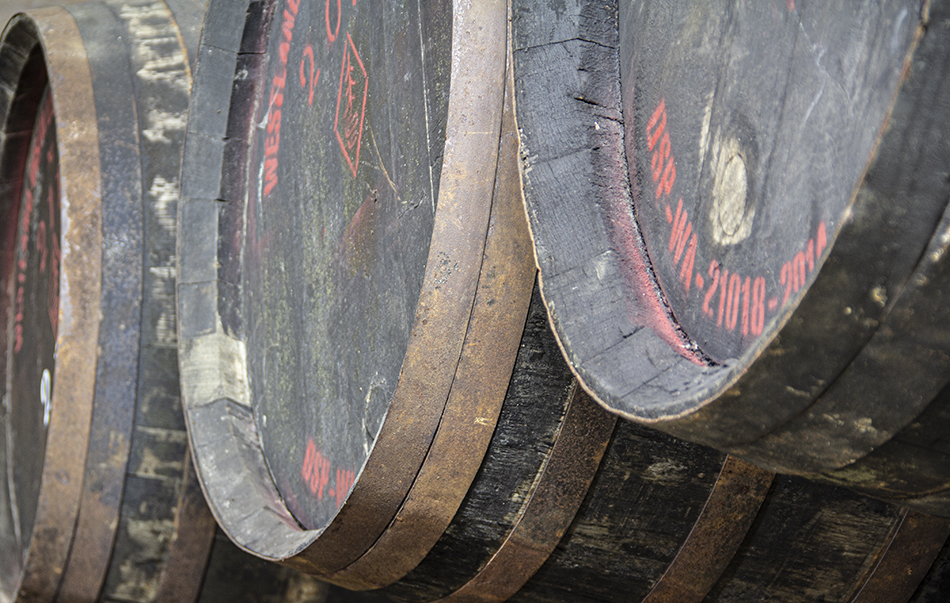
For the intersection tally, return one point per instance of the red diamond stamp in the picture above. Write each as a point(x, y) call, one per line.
point(351, 104)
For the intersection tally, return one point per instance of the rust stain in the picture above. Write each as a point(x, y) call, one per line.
point(80, 289)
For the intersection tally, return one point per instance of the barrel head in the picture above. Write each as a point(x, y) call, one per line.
point(31, 311)
point(336, 202)
point(728, 203)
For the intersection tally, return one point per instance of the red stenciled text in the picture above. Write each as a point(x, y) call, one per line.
point(22, 251)
point(309, 77)
point(276, 98)
point(795, 271)
point(316, 473)
point(662, 165)
point(313, 78)
point(730, 300)
point(681, 233)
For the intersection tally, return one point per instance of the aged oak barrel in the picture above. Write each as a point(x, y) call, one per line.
point(739, 214)
point(97, 501)
point(371, 387)
point(350, 295)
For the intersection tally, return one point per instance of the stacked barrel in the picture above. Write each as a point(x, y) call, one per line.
point(310, 266)
point(773, 234)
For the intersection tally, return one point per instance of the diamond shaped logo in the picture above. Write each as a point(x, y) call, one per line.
point(351, 104)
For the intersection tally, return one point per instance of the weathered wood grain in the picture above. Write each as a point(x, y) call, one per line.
point(738, 244)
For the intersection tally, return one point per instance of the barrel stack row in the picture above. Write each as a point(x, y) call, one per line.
point(373, 396)
point(310, 266)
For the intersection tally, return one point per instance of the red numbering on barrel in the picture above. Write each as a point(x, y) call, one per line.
point(47, 256)
point(662, 165)
point(334, 30)
point(351, 98)
point(732, 300)
point(316, 472)
point(313, 78)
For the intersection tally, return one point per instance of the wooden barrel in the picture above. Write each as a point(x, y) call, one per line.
point(97, 502)
point(351, 297)
point(740, 220)
point(372, 390)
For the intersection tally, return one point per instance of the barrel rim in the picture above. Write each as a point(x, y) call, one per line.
point(480, 384)
point(98, 519)
point(55, 32)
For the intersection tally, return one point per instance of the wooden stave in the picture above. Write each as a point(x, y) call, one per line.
point(807, 542)
point(802, 530)
point(801, 567)
point(779, 451)
point(149, 494)
point(936, 584)
point(913, 554)
point(105, 484)
point(914, 451)
point(523, 441)
point(885, 520)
